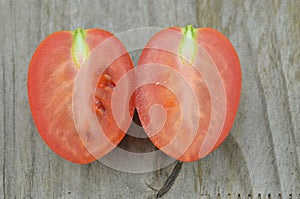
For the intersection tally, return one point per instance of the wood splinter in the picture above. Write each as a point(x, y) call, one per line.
point(169, 182)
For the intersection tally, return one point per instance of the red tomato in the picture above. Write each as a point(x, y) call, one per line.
point(71, 78)
point(193, 91)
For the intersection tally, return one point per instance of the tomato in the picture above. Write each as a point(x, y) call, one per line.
point(71, 78)
point(189, 85)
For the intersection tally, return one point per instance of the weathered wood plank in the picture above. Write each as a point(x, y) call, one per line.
point(265, 34)
point(8, 84)
point(262, 153)
point(2, 116)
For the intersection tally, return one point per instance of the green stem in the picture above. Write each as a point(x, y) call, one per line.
point(80, 49)
point(188, 46)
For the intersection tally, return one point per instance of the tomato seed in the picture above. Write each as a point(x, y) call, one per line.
point(99, 107)
point(106, 81)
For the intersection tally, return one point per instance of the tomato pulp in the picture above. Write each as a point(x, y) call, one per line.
point(71, 78)
point(193, 91)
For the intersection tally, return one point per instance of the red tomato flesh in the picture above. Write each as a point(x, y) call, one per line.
point(69, 126)
point(195, 122)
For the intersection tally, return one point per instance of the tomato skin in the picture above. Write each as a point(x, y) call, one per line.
point(224, 55)
point(164, 48)
point(51, 79)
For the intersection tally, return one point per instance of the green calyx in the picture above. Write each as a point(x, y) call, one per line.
point(80, 49)
point(188, 46)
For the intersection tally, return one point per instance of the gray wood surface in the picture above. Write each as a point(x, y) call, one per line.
point(262, 153)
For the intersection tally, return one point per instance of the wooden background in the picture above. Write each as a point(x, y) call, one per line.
point(262, 153)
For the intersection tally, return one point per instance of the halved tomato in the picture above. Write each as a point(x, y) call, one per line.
point(189, 84)
point(71, 78)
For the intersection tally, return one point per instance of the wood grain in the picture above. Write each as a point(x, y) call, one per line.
point(262, 153)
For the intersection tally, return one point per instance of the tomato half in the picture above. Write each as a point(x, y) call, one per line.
point(71, 78)
point(193, 91)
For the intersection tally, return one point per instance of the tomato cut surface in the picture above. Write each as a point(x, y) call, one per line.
point(195, 89)
point(70, 92)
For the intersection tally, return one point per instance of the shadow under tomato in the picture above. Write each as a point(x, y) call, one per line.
point(136, 144)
